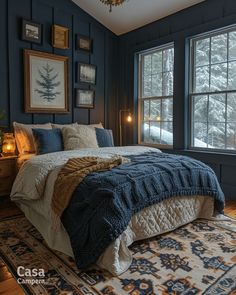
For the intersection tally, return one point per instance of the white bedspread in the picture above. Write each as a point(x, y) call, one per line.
point(33, 190)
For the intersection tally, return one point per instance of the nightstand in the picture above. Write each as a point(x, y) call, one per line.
point(7, 174)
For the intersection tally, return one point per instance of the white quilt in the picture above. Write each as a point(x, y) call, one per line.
point(33, 190)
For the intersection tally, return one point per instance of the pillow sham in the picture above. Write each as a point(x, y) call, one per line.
point(104, 137)
point(60, 126)
point(24, 136)
point(99, 125)
point(48, 141)
point(81, 136)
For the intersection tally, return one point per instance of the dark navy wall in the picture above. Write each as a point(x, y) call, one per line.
point(206, 16)
point(65, 13)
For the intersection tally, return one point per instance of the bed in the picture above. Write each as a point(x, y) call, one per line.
point(33, 190)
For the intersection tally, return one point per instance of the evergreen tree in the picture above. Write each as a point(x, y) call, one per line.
point(48, 84)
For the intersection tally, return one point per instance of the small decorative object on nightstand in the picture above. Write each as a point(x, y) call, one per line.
point(7, 174)
point(9, 145)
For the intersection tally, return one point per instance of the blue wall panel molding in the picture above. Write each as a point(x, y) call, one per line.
point(177, 28)
point(65, 13)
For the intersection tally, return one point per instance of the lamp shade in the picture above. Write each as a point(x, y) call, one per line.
point(9, 145)
point(129, 118)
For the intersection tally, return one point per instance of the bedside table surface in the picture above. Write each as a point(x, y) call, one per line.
point(2, 158)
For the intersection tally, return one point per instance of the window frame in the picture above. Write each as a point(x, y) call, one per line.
point(191, 94)
point(141, 99)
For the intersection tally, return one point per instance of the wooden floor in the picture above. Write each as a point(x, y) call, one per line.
point(8, 285)
point(230, 209)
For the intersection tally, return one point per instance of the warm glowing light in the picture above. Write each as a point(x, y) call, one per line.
point(129, 118)
point(8, 146)
point(158, 118)
point(112, 3)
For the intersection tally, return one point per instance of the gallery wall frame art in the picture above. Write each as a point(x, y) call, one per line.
point(60, 37)
point(45, 82)
point(85, 98)
point(31, 31)
point(87, 73)
point(84, 43)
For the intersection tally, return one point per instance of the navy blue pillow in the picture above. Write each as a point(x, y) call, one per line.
point(104, 137)
point(48, 141)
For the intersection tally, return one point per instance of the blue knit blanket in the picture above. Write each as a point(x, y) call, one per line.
point(104, 203)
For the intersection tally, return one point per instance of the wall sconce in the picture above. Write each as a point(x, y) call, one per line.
point(9, 145)
point(129, 119)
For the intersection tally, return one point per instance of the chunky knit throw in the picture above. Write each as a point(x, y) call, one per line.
point(73, 173)
point(104, 203)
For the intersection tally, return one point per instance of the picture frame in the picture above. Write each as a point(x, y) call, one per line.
point(84, 43)
point(60, 37)
point(85, 98)
point(87, 73)
point(45, 82)
point(31, 31)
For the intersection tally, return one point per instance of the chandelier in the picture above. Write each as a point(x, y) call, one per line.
point(112, 3)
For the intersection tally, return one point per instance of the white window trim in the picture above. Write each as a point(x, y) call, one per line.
point(141, 99)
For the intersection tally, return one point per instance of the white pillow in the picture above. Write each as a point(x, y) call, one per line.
point(80, 136)
point(24, 136)
point(99, 125)
point(60, 126)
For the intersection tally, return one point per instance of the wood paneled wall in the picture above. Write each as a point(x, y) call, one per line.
point(117, 67)
point(65, 13)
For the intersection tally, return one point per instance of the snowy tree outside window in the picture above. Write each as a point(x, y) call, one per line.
point(213, 90)
point(156, 95)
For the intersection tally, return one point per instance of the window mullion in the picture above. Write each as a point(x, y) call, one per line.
point(226, 95)
point(208, 120)
point(210, 65)
point(226, 118)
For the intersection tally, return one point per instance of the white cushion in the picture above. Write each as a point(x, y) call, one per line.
point(24, 136)
point(80, 136)
point(99, 125)
point(60, 126)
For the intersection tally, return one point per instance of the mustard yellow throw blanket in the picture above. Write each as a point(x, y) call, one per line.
point(73, 173)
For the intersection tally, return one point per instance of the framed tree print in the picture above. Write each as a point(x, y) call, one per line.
point(46, 82)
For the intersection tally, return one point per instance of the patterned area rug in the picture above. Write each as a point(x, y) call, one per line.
point(199, 258)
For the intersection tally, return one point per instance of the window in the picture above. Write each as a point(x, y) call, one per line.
point(213, 90)
point(156, 96)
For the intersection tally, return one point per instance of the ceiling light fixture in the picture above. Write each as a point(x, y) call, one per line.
point(112, 3)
